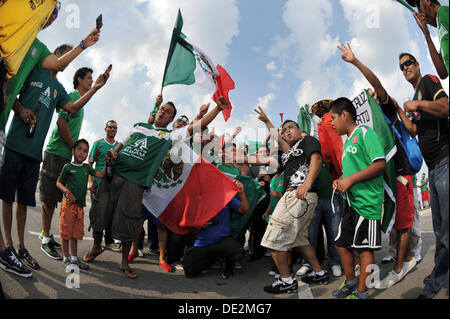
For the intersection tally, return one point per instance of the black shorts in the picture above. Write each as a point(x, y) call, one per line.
point(18, 173)
point(357, 232)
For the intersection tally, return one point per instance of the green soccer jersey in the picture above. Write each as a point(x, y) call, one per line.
point(143, 152)
point(98, 153)
point(35, 56)
point(361, 149)
point(56, 144)
point(75, 178)
point(39, 89)
point(232, 171)
point(425, 185)
point(276, 184)
point(442, 23)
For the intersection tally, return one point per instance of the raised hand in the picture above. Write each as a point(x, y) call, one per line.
point(159, 100)
point(261, 115)
point(222, 103)
point(422, 22)
point(347, 53)
point(101, 80)
point(92, 38)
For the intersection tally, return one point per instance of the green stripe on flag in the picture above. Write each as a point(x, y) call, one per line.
point(180, 64)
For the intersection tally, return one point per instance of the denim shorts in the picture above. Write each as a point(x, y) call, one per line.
point(18, 173)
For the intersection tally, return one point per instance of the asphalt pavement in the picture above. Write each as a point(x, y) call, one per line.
point(105, 281)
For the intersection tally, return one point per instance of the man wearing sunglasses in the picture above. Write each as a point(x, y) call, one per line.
point(430, 124)
point(432, 13)
point(97, 156)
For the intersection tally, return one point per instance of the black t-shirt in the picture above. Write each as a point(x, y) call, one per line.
point(432, 132)
point(295, 162)
point(402, 165)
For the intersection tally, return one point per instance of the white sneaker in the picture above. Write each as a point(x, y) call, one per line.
point(408, 266)
point(336, 270)
point(303, 270)
point(141, 253)
point(418, 258)
point(391, 279)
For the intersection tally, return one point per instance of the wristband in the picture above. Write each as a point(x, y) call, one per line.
point(82, 45)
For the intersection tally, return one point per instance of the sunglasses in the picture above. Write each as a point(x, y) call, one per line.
point(112, 127)
point(407, 63)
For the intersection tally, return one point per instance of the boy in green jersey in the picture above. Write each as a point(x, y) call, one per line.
point(72, 182)
point(363, 164)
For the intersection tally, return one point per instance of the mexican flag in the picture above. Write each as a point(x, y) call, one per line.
point(187, 190)
point(188, 64)
point(369, 113)
point(308, 121)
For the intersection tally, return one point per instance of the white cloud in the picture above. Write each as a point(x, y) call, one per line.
point(271, 66)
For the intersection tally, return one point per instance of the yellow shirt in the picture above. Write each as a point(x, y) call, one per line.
point(20, 22)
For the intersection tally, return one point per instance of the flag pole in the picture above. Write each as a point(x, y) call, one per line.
point(403, 2)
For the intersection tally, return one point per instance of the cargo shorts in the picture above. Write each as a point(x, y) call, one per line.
point(289, 224)
point(119, 201)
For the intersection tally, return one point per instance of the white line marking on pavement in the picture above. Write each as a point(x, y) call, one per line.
point(303, 291)
point(56, 236)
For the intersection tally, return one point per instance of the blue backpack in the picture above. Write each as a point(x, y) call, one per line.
point(409, 144)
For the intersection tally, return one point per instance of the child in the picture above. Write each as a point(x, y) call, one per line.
point(71, 221)
point(363, 164)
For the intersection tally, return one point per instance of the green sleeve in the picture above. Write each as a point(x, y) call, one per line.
point(64, 173)
point(280, 184)
point(44, 53)
point(373, 145)
point(63, 97)
point(443, 34)
point(91, 170)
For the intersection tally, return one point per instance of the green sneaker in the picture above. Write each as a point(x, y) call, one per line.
point(49, 250)
point(55, 244)
point(344, 290)
point(356, 295)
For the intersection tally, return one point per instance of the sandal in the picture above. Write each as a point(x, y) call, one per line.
point(129, 273)
point(91, 256)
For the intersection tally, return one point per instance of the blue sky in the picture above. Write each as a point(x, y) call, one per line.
point(281, 54)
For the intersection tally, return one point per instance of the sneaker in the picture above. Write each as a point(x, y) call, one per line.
point(314, 278)
point(114, 247)
point(55, 243)
point(344, 290)
point(336, 270)
point(66, 262)
point(50, 251)
point(391, 279)
point(304, 269)
point(280, 287)
point(25, 256)
point(177, 265)
point(356, 295)
point(10, 263)
point(140, 253)
point(418, 259)
point(227, 272)
point(408, 266)
point(388, 259)
point(81, 264)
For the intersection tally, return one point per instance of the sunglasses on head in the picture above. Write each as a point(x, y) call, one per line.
point(407, 63)
point(112, 127)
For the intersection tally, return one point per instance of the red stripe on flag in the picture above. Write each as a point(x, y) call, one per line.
point(206, 191)
point(224, 85)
